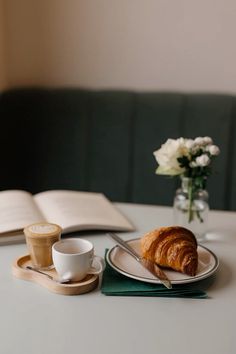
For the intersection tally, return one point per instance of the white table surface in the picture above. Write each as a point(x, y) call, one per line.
point(34, 320)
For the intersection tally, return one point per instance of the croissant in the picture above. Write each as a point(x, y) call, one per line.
point(173, 247)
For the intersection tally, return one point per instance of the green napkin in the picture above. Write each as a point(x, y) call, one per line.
point(116, 284)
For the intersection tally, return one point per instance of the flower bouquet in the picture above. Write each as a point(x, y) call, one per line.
point(191, 159)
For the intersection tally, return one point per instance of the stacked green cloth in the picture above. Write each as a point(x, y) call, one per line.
point(116, 284)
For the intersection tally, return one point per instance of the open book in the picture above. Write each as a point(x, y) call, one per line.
point(73, 211)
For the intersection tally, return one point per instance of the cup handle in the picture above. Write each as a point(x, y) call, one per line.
point(98, 265)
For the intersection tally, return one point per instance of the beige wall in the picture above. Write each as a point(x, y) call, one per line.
point(2, 49)
point(141, 44)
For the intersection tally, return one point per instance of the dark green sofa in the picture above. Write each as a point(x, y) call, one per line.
point(103, 141)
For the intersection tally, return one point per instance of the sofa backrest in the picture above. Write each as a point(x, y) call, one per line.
point(104, 141)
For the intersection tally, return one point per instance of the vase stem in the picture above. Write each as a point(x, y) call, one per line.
point(191, 207)
point(190, 197)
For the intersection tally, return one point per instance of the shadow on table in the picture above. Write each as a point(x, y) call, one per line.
point(222, 278)
point(219, 236)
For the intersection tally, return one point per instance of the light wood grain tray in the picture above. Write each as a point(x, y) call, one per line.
point(74, 288)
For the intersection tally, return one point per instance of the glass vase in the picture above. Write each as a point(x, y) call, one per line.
point(191, 208)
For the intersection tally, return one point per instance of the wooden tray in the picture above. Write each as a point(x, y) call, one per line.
point(74, 288)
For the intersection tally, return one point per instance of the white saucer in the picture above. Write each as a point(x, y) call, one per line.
point(125, 264)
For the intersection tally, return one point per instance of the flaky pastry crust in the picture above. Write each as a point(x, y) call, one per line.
point(173, 247)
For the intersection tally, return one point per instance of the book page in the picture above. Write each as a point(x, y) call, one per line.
point(17, 210)
point(75, 211)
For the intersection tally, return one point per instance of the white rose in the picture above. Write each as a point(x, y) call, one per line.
point(203, 160)
point(167, 157)
point(199, 140)
point(193, 164)
point(213, 150)
point(189, 143)
point(195, 149)
point(181, 141)
point(207, 140)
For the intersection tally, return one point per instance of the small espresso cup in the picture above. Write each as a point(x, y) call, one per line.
point(74, 258)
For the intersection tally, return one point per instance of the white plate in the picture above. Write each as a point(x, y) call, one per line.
point(125, 264)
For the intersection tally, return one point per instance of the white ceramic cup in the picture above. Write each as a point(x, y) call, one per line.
point(74, 258)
